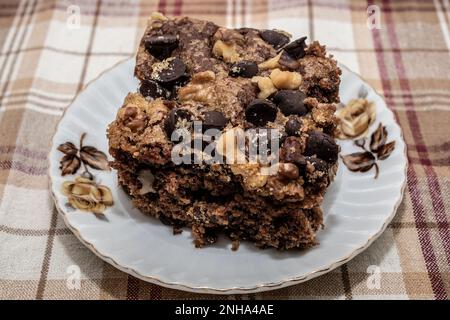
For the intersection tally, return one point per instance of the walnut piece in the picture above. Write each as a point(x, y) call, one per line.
point(285, 79)
point(228, 145)
point(227, 51)
point(146, 178)
point(156, 20)
point(251, 174)
point(272, 63)
point(200, 89)
point(265, 85)
point(156, 110)
point(133, 117)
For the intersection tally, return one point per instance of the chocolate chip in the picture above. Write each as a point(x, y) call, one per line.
point(321, 145)
point(161, 47)
point(245, 69)
point(296, 49)
point(287, 61)
point(214, 120)
point(293, 126)
point(291, 151)
point(260, 111)
point(172, 119)
point(153, 89)
point(173, 74)
point(290, 102)
point(274, 38)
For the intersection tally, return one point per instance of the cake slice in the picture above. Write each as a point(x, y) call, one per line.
point(275, 93)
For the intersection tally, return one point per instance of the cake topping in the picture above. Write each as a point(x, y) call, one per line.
point(153, 89)
point(296, 49)
point(322, 145)
point(227, 51)
point(290, 102)
point(265, 85)
point(285, 79)
point(276, 39)
point(260, 111)
point(175, 116)
point(245, 68)
point(161, 47)
point(214, 120)
point(272, 63)
point(287, 61)
point(170, 71)
point(293, 126)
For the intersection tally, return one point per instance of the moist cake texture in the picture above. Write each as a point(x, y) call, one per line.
point(229, 79)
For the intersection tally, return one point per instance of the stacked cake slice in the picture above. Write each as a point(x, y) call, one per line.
point(230, 82)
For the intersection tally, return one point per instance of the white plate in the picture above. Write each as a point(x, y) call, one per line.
point(357, 209)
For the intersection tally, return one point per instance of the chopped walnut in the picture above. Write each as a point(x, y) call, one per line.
point(156, 111)
point(251, 174)
point(272, 63)
point(265, 86)
point(285, 79)
point(146, 178)
point(133, 117)
point(229, 143)
point(204, 76)
point(228, 36)
point(156, 20)
point(227, 51)
point(200, 88)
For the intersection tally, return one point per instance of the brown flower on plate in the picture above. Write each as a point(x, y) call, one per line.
point(86, 155)
point(355, 119)
point(86, 195)
point(366, 160)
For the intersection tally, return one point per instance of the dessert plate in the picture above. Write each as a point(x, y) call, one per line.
point(357, 206)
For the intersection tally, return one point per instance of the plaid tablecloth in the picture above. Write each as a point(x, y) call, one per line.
point(51, 49)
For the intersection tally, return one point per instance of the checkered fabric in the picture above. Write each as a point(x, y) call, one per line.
point(46, 58)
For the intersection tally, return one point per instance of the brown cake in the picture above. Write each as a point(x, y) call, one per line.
point(232, 80)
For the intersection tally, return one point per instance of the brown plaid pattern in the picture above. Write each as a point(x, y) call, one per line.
point(44, 64)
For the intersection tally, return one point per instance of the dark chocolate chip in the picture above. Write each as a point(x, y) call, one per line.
point(161, 47)
point(173, 117)
point(260, 111)
point(287, 61)
point(296, 49)
point(291, 151)
point(321, 145)
point(245, 68)
point(153, 89)
point(173, 74)
point(274, 38)
point(214, 120)
point(293, 126)
point(290, 102)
